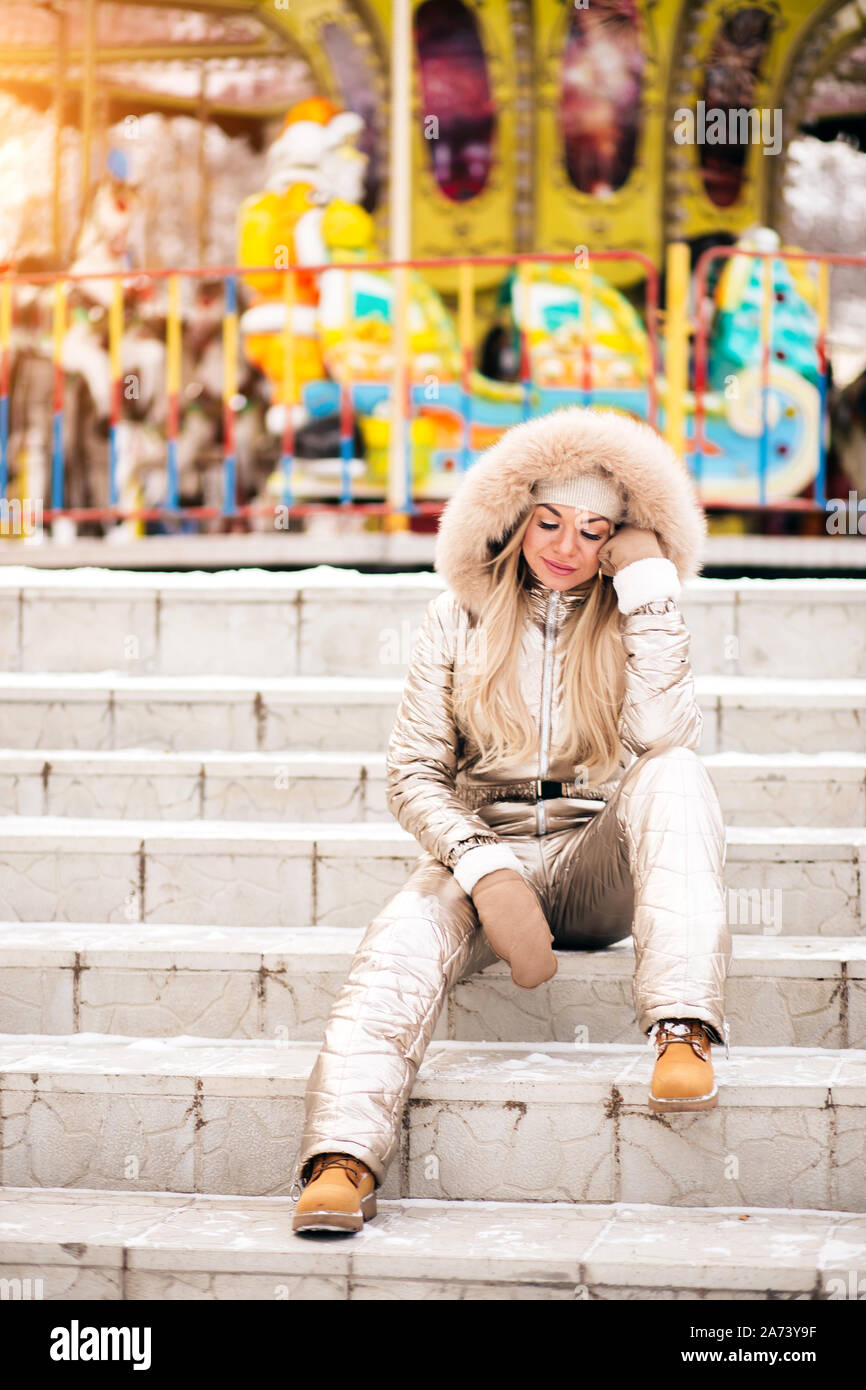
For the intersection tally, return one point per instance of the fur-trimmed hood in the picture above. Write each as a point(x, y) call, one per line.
point(494, 493)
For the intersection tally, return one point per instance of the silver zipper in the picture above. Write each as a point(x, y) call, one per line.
point(546, 701)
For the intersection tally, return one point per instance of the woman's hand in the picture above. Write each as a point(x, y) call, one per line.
point(515, 926)
point(625, 545)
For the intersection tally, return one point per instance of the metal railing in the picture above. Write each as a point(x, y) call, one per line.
point(697, 449)
point(399, 487)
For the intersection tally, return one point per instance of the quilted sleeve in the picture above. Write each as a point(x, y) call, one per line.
point(659, 708)
point(421, 760)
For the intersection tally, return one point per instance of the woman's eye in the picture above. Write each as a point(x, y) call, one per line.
point(552, 526)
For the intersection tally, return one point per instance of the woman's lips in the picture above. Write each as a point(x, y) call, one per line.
point(560, 569)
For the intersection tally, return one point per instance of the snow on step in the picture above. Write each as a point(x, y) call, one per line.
point(156, 980)
point(486, 1121)
point(786, 789)
point(107, 709)
point(274, 873)
point(332, 620)
point(142, 1245)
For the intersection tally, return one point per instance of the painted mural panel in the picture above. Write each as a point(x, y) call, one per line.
point(456, 92)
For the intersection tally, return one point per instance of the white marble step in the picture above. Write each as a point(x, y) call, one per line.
point(271, 982)
point(111, 709)
point(754, 788)
point(144, 1245)
point(486, 1121)
point(331, 621)
point(781, 880)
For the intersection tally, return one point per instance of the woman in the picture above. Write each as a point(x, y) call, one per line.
point(557, 650)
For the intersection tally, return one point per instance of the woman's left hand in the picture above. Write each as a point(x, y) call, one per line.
point(627, 544)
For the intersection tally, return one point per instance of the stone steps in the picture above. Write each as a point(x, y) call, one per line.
point(754, 789)
point(223, 982)
point(195, 837)
point(486, 1121)
point(102, 710)
point(335, 621)
point(780, 879)
point(144, 1245)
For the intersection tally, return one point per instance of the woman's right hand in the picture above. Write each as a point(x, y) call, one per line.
point(514, 924)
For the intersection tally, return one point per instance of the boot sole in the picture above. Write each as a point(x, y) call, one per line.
point(337, 1220)
point(683, 1104)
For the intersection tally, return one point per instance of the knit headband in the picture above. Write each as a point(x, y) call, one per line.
point(593, 491)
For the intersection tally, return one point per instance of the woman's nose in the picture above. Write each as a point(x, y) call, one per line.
point(569, 543)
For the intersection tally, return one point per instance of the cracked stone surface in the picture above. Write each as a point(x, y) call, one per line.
point(59, 629)
point(179, 725)
point(68, 883)
point(247, 874)
point(766, 646)
point(351, 891)
point(101, 1140)
point(62, 722)
point(790, 730)
point(485, 1120)
point(328, 725)
point(828, 790)
point(197, 638)
point(158, 979)
point(713, 1160)
point(820, 898)
point(164, 1003)
point(272, 889)
point(201, 1246)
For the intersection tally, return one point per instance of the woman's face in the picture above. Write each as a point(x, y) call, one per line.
point(561, 544)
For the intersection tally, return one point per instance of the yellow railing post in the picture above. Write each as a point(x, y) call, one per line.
point(396, 518)
point(676, 344)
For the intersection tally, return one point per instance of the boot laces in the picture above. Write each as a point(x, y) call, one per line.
point(691, 1031)
point(344, 1161)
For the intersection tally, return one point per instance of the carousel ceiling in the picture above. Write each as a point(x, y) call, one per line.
point(156, 51)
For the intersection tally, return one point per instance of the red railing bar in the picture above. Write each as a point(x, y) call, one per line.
point(713, 253)
point(217, 513)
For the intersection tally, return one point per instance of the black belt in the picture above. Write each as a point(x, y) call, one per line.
point(546, 790)
point(531, 790)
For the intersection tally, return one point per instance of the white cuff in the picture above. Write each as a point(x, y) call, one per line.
point(646, 581)
point(481, 860)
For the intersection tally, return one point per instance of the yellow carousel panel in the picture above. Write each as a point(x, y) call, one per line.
point(601, 127)
point(727, 98)
point(463, 136)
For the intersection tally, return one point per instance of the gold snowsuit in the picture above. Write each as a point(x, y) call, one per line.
point(645, 855)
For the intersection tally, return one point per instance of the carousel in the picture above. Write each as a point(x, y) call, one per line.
point(232, 187)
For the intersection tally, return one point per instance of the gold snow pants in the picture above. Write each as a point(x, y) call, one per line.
point(650, 863)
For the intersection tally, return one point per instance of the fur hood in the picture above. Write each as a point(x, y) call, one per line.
point(494, 493)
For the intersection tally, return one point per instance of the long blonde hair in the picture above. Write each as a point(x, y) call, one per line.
point(487, 699)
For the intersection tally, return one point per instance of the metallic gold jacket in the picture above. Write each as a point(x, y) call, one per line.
point(431, 786)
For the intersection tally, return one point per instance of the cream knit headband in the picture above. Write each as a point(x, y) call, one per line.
point(593, 491)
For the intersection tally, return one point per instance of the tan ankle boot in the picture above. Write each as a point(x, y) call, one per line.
point(339, 1195)
point(683, 1075)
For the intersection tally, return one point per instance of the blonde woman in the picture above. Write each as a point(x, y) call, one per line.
point(544, 756)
